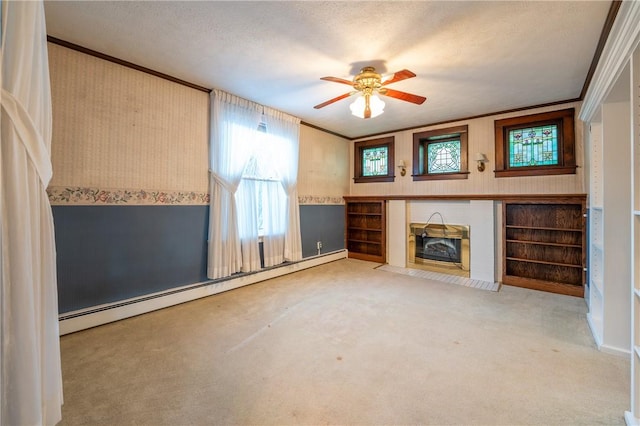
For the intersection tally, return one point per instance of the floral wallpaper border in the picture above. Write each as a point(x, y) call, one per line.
point(311, 199)
point(90, 196)
point(64, 195)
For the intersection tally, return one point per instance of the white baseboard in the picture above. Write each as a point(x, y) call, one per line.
point(630, 419)
point(98, 315)
point(594, 331)
point(613, 350)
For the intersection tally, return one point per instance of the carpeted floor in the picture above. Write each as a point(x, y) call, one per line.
point(345, 343)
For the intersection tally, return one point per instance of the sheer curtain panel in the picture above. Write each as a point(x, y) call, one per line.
point(246, 197)
point(232, 135)
point(287, 130)
point(31, 374)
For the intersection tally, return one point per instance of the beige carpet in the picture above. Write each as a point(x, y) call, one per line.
point(344, 343)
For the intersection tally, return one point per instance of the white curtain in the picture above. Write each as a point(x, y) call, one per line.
point(286, 129)
point(231, 142)
point(246, 197)
point(274, 212)
point(31, 373)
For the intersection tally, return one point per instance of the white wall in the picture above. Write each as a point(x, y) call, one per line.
point(478, 215)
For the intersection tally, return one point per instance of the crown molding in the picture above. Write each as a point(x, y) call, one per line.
point(622, 41)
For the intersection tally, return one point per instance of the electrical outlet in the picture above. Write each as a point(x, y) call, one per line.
point(319, 245)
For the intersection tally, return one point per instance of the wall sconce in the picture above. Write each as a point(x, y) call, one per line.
point(403, 167)
point(481, 159)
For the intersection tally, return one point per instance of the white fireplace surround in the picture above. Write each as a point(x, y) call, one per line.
point(480, 215)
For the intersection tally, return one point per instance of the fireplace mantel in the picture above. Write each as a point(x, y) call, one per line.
point(466, 197)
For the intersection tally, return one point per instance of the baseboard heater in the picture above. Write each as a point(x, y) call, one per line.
point(98, 315)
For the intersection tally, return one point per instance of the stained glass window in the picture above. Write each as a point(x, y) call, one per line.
point(440, 154)
point(443, 157)
point(536, 144)
point(375, 161)
point(533, 146)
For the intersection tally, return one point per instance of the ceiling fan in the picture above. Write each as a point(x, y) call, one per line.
point(369, 83)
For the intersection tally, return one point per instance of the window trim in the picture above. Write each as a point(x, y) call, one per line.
point(358, 147)
point(422, 138)
point(564, 119)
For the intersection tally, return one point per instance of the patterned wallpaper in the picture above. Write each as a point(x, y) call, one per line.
point(323, 176)
point(118, 128)
point(124, 137)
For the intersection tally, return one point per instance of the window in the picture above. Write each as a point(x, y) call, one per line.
point(262, 183)
point(440, 154)
point(537, 144)
point(374, 160)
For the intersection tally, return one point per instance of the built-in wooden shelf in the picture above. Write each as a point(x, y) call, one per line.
point(365, 232)
point(544, 262)
point(544, 243)
point(364, 241)
point(543, 228)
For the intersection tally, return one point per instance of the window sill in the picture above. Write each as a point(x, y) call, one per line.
point(369, 179)
point(541, 171)
point(442, 176)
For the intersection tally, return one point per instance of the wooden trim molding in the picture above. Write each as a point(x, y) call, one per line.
point(124, 63)
point(473, 117)
point(620, 44)
point(313, 126)
point(604, 35)
point(556, 198)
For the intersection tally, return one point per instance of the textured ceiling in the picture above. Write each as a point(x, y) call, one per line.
point(471, 58)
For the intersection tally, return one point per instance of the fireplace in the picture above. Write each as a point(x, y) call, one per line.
point(439, 247)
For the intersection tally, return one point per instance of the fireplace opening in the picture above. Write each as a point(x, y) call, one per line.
point(439, 247)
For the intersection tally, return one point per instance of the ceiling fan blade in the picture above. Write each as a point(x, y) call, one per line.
point(336, 99)
point(403, 96)
point(337, 80)
point(399, 76)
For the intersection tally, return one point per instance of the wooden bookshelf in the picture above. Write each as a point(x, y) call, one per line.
point(544, 244)
point(366, 229)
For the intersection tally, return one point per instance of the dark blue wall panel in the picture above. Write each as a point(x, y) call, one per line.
point(321, 223)
point(111, 253)
point(107, 254)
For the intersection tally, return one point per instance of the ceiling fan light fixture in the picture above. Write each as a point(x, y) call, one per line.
point(368, 84)
point(359, 106)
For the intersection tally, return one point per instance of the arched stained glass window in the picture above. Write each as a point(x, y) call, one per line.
point(533, 146)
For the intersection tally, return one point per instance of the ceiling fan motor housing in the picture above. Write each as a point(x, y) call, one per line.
point(368, 80)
